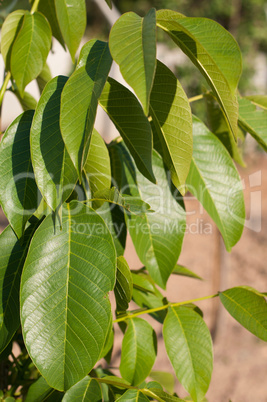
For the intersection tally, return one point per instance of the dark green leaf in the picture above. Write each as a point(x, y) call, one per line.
point(65, 311)
point(48, 9)
point(54, 172)
point(86, 390)
point(19, 194)
point(133, 395)
point(124, 285)
point(248, 307)
point(172, 123)
point(40, 391)
point(83, 90)
point(139, 350)
point(9, 32)
point(132, 44)
point(107, 350)
point(183, 271)
point(189, 347)
point(109, 3)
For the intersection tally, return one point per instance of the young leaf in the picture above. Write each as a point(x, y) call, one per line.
point(172, 123)
point(65, 311)
point(124, 285)
point(215, 182)
point(139, 350)
point(132, 124)
point(30, 49)
point(253, 121)
point(54, 172)
point(214, 51)
point(19, 195)
point(83, 90)
point(132, 44)
point(86, 390)
point(247, 307)
point(48, 9)
point(133, 395)
point(189, 347)
point(259, 100)
point(158, 235)
point(9, 32)
point(11, 263)
point(183, 271)
point(71, 16)
point(40, 391)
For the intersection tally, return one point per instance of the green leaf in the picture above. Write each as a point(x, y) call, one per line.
point(43, 78)
point(133, 395)
point(54, 172)
point(40, 391)
point(253, 121)
point(189, 347)
point(215, 182)
point(137, 360)
point(107, 350)
point(19, 194)
point(158, 235)
point(162, 396)
point(9, 32)
point(166, 379)
point(258, 100)
point(132, 124)
point(71, 16)
point(30, 49)
point(247, 307)
point(11, 262)
point(132, 43)
point(28, 102)
point(86, 390)
point(48, 9)
point(83, 90)
point(65, 311)
point(172, 124)
point(183, 271)
point(124, 285)
point(214, 51)
point(109, 3)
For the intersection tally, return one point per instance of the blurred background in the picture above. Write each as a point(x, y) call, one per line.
point(240, 359)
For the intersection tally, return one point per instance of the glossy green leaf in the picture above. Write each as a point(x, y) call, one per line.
point(9, 32)
point(158, 235)
point(86, 390)
point(40, 391)
point(43, 78)
point(258, 100)
point(97, 165)
point(132, 124)
point(65, 311)
point(214, 52)
point(71, 16)
point(139, 350)
point(172, 123)
point(11, 262)
point(83, 90)
point(124, 285)
point(30, 49)
point(54, 172)
point(133, 395)
point(253, 121)
point(19, 195)
point(48, 9)
point(215, 182)
point(189, 347)
point(247, 307)
point(183, 271)
point(136, 52)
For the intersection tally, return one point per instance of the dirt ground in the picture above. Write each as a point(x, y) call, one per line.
point(240, 359)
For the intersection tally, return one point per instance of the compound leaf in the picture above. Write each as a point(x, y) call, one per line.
point(48, 9)
point(133, 395)
point(86, 390)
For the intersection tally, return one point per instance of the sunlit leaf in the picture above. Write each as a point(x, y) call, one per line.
point(86, 390)
point(48, 9)
point(9, 32)
point(259, 100)
point(133, 395)
point(183, 271)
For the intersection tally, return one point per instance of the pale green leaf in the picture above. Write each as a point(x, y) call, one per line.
point(65, 310)
point(71, 16)
point(259, 100)
point(30, 49)
point(54, 172)
point(215, 182)
point(43, 78)
point(167, 380)
point(133, 395)
point(253, 121)
point(86, 390)
point(9, 32)
point(139, 350)
point(83, 90)
point(172, 123)
point(183, 271)
point(247, 307)
point(132, 43)
point(189, 347)
point(11, 262)
point(124, 285)
point(27, 102)
point(214, 52)
point(48, 9)
point(40, 391)
point(132, 124)
point(19, 195)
